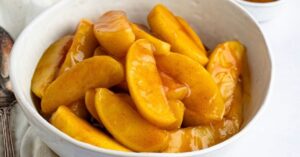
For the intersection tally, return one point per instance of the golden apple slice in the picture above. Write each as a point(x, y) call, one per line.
point(100, 51)
point(236, 111)
point(190, 139)
point(196, 138)
point(173, 89)
point(178, 109)
point(83, 45)
point(189, 31)
point(161, 47)
point(204, 98)
point(79, 109)
point(91, 107)
point(145, 85)
point(225, 66)
point(90, 103)
point(67, 122)
point(165, 25)
point(114, 33)
point(232, 122)
point(98, 71)
point(49, 65)
point(126, 125)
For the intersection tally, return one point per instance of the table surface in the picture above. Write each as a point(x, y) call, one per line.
point(276, 132)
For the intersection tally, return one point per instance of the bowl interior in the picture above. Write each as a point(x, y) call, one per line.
point(214, 20)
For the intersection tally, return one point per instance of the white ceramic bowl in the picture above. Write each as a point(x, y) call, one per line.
point(263, 12)
point(215, 20)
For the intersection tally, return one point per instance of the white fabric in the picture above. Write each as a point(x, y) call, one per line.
point(275, 133)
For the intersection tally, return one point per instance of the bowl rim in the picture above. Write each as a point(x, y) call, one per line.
point(26, 106)
point(258, 5)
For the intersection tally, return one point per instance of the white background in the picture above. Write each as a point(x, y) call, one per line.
point(276, 133)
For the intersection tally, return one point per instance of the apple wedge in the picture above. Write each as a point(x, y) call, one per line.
point(165, 25)
point(83, 45)
point(232, 122)
point(49, 65)
point(91, 107)
point(173, 89)
point(98, 71)
point(90, 103)
point(225, 66)
point(190, 139)
point(126, 125)
point(161, 47)
point(190, 32)
point(145, 85)
point(204, 98)
point(114, 33)
point(67, 122)
point(177, 108)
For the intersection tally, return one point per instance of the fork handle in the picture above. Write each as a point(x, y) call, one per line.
point(9, 150)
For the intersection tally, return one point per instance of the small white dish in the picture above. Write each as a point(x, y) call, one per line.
point(263, 12)
point(215, 21)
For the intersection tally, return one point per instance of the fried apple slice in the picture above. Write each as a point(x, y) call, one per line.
point(232, 122)
point(236, 111)
point(225, 66)
point(205, 98)
point(114, 33)
point(98, 71)
point(83, 45)
point(190, 139)
point(91, 107)
point(189, 31)
point(49, 65)
point(165, 25)
point(196, 138)
point(173, 89)
point(161, 47)
point(126, 125)
point(67, 122)
point(145, 85)
point(177, 108)
point(90, 103)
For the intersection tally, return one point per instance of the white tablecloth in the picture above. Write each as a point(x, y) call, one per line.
point(277, 131)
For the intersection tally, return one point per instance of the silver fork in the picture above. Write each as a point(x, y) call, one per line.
point(7, 98)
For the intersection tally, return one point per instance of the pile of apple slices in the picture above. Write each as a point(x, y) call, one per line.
point(149, 90)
